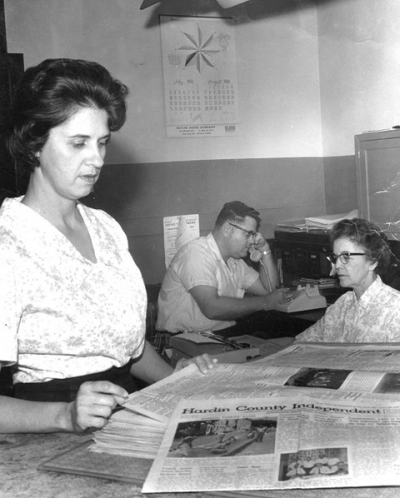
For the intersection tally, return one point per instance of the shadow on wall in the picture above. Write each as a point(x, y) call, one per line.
point(252, 10)
point(113, 191)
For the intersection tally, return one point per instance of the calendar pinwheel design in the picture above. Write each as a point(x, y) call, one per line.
point(199, 66)
point(200, 52)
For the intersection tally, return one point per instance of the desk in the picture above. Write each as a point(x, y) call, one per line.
point(311, 316)
point(21, 454)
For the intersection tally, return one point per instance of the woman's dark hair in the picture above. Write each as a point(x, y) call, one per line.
point(367, 235)
point(50, 93)
point(236, 211)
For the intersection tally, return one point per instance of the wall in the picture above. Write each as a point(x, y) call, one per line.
point(140, 195)
point(359, 48)
point(359, 79)
point(277, 69)
point(275, 163)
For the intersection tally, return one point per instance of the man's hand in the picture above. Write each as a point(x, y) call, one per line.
point(94, 405)
point(279, 296)
point(204, 363)
point(260, 243)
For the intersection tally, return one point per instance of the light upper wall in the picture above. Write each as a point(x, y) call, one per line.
point(359, 47)
point(277, 68)
point(311, 74)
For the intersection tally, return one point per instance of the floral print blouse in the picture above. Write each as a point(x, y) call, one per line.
point(374, 318)
point(62, 315)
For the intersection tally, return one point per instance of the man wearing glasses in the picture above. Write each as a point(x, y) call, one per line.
point(205, 285)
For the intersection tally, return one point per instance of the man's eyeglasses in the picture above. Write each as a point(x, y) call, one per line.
point(344, 257)
point(248, 233)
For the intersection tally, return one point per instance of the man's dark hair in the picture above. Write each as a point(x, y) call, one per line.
point(236, 212)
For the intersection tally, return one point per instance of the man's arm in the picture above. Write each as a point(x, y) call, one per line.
point(217, 307)
point(269, 278)
point(269, 275)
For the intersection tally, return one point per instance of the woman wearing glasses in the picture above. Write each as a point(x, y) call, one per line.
point(371, 312)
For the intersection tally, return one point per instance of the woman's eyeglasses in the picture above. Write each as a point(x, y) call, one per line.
point(344, 257)
point(248, 233)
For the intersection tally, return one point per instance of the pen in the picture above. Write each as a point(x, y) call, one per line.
point(218, 338)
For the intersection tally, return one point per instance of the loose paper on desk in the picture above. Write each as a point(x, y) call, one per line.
point(178, 230)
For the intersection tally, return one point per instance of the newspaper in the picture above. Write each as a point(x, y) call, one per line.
point(351, 369)
point(349, 373)
point(278, 443)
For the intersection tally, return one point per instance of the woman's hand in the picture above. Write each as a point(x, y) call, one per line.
point(204, 363)
point(94, 405)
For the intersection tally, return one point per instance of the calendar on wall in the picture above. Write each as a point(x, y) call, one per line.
point(200, 84)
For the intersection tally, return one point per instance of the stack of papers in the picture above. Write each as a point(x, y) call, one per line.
point(293, 225)
point(328, 220)
point(322, 283)
point(130, 434)
point(138, 428)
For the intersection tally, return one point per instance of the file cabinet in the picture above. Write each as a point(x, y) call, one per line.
point(302, 254)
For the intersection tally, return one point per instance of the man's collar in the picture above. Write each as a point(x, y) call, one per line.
point(213, 245)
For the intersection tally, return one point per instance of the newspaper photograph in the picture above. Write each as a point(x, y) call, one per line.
point(277, 443)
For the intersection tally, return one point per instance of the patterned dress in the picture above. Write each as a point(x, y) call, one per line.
point(62, 315)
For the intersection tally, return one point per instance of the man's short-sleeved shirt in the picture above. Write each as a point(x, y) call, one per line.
point(62, 315)
point(199, 262)
point(375, 317)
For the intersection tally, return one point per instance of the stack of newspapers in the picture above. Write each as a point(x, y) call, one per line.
point(130, 434)
point(137, 429)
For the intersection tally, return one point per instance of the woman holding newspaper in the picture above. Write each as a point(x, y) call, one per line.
point(72, 301)
point(371, 312)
